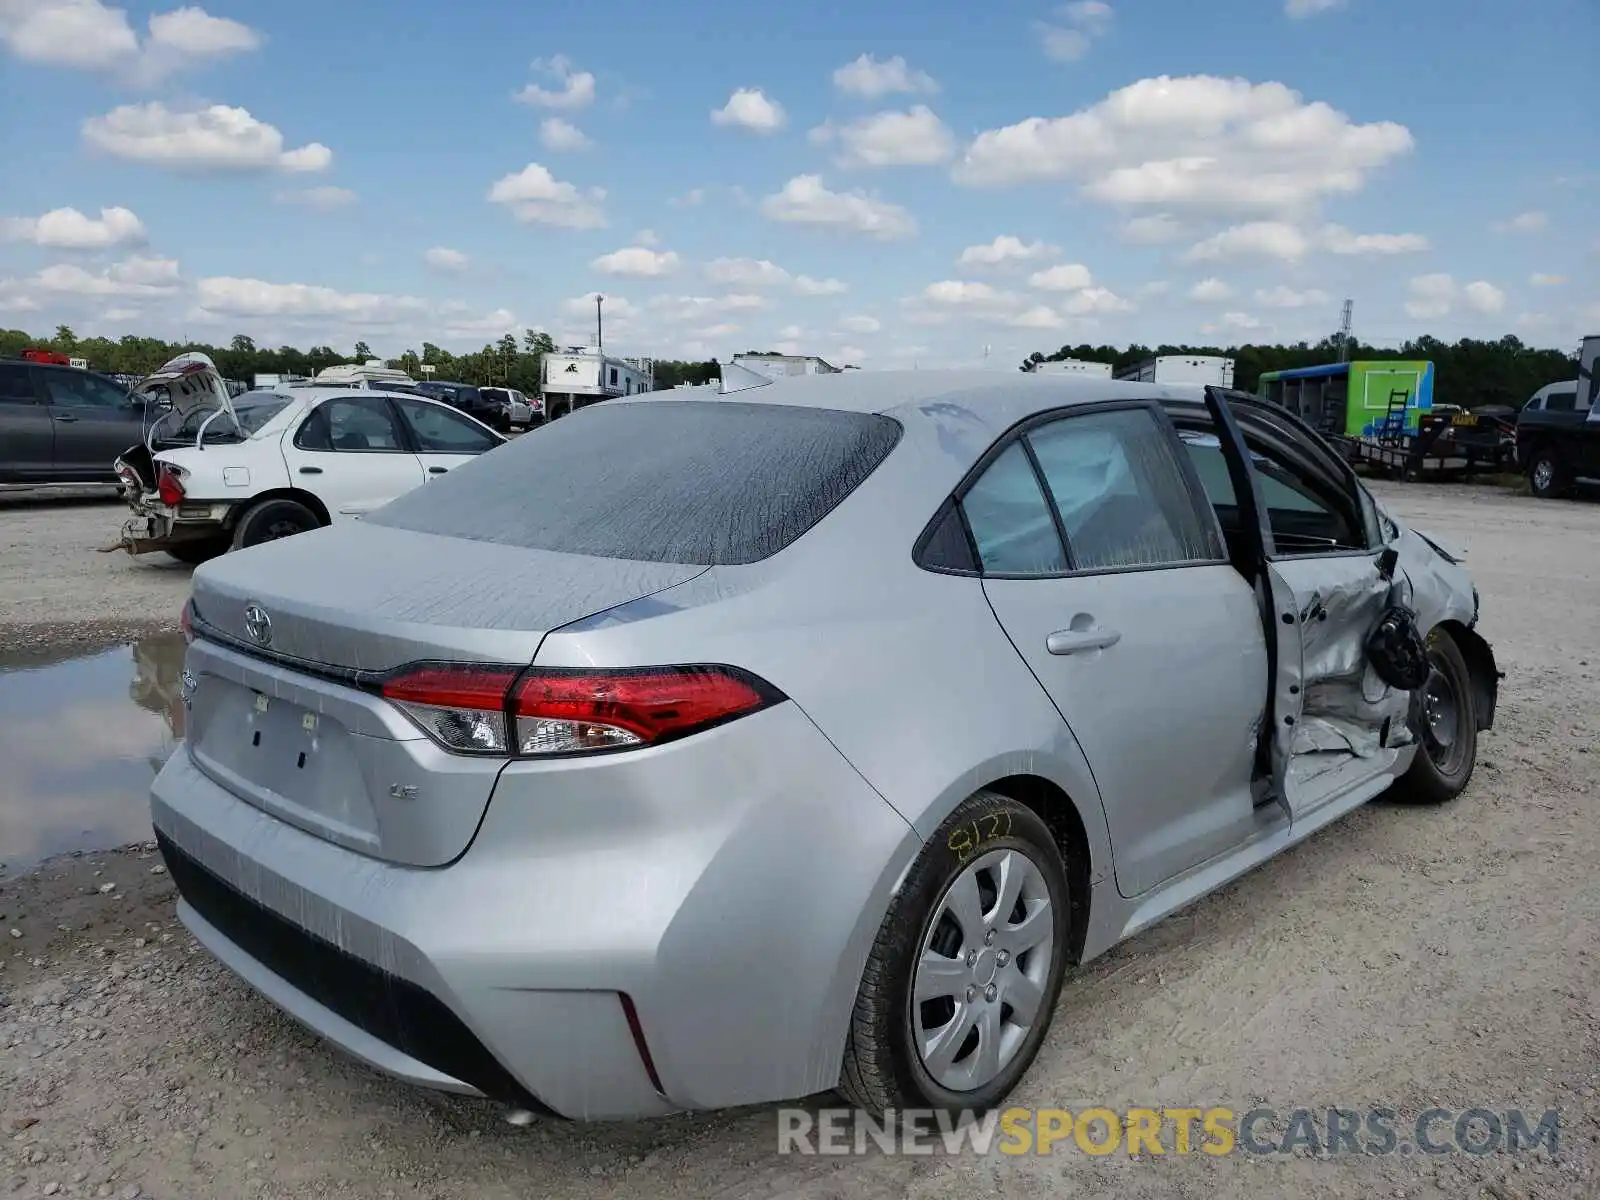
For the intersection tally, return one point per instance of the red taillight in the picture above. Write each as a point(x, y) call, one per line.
point(186, 622)
point(535, 713)
point(169, 486)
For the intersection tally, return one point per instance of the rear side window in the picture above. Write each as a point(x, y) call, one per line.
point(1562, 400)
point(706, 483)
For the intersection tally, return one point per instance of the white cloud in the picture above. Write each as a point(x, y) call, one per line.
point(1209, 291)
point(1234, 322)
point(804, 200)
point(939, 302)
point(217, 138)
point(1152, 230)
point(1085, 20)
point(749, 108)
point(1300, 9)
point(1484, 297)
point(1096, 300)
point(1254, 239)
point(804, 285)
point(1437, 295)
point(1284, 297)
point(69, 229)
point(695, 310)
point(1190, 141)
point(638, 262)
point(872, 80)
point(646, 237)
point(536, 197)
point(1541, 280)
point(1338, 240)
point(1156, 287)
point(133, 277)
point(561, 135)
point(324, 198)
point(1528, 222)
point(1065, 277)
point(746, 272)
point(232, 297)
point(574, 88)
point(617, 308)
point(442, 258)
point(790, 332)
point(89, 35)
point(916, 138)
point(1006, 251)
point(693, 198)
point(861, 324)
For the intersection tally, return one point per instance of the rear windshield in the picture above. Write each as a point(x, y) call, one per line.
point(707, 483)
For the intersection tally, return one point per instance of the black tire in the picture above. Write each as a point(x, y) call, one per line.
point(200, 550)
point(273, 519)
point(1446, 729)
point(882, 1067)
point(1547, 475)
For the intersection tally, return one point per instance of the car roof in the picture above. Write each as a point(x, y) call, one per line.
point(998, 399)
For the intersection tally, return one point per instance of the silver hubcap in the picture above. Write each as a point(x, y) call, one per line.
point(981, 973)
point(1543, 473)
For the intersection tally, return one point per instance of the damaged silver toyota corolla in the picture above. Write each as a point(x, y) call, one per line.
point(701, 750)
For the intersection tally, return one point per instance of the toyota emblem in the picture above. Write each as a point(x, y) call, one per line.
point(258, 625)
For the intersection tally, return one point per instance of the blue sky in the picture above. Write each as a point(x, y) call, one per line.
point(884, 184)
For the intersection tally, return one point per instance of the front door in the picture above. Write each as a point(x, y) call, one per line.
point(27, 434)
point(1113, 583)
point(352, 454)
point(443, 438)
point(1334, 724)
point(94, 423)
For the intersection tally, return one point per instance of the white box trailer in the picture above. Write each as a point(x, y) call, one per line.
point(1073, 366)
point(1182, 368)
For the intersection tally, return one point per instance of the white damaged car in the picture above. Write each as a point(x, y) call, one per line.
point(217, 472)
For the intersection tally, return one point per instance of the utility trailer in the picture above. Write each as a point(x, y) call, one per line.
point(1381, 415)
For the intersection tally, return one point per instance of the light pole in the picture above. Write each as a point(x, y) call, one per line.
point(599, 324)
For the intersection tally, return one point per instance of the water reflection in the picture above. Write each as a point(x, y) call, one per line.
point(80, 741)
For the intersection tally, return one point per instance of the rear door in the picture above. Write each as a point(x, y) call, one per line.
point(352, 453)
point(443, 438)
point(1279, 489)
point(94, 422)
point(1113, 583)
point(27, 434)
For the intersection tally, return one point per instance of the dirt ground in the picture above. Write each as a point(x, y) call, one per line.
point(1403, 957)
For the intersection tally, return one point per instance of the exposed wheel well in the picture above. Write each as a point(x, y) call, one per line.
point(295, 494)
point(1056, 809)
point(1481, 666)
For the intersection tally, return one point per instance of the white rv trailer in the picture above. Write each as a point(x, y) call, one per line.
point(582, 375)
point(1182, 368)
point(1073, 366)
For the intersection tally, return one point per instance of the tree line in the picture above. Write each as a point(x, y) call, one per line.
point(510, 362)
point(1469, 373)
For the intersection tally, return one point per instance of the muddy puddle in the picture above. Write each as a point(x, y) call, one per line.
point(80, 741)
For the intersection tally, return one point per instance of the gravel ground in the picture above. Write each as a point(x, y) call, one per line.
point(1402, 957)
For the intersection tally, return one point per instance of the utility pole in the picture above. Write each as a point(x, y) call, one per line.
point(1344, 330)
point(599, 324)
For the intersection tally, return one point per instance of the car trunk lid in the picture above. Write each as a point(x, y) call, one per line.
point(293, 633)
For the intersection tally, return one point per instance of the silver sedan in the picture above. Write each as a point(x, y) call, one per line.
point(708, 750)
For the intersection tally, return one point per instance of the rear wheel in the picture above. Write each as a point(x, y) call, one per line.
point(273, 519)
point(1547, 477)
point(1446, 724)
point(962, 980)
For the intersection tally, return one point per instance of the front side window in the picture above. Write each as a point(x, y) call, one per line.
point(79, 389)
point(16, 385)
point(361, 423)
point(1562, 400)
point(1121, 493)
point(437, 430)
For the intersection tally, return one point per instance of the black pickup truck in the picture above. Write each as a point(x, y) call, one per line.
point(1558, 438)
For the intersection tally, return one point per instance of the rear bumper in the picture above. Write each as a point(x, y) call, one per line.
point(737, 934)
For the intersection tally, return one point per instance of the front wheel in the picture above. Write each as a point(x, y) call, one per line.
point(1547, 478)
point(1445, 720)
point(963, 978)
point(273, 519)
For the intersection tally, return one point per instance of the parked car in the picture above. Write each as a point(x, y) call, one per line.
point(710, 751)
point(220, 472)
point(1558, 440)
point(522, 411)
point(63, 425)
point(491, 411)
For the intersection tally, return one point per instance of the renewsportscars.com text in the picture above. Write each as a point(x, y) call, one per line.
point(1334, 1131)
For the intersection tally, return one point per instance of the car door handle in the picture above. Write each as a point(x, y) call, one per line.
point(311, 470)
point(65, 418)
point(1076, 641)
point(437, 470)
